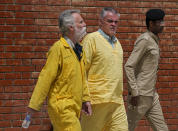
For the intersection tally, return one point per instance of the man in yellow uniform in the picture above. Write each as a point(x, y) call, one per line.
point(141, 71)
point(104, 69)
point(63, 78)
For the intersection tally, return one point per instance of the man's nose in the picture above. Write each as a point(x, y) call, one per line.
point(162, 23)
point(84, 24)
point(114, 23)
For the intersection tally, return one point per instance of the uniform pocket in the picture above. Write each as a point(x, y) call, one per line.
point(63, 102)
point(96, 80)
point(59, 106)
point(153, 57)
point(154, 52)
point(68, 66)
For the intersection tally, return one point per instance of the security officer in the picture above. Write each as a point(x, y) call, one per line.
point(141, 71)
point(62, 79)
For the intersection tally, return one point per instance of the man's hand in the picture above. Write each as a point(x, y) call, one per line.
point(31, 111)
point(134, 100)
point(86, 108)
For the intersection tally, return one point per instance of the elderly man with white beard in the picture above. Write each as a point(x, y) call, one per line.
point(63, 78)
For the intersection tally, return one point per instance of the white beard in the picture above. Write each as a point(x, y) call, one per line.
point(79, 34)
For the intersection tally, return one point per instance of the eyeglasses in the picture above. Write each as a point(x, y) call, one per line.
point(111, 21)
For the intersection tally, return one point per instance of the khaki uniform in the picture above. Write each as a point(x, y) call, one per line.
point(141, 71)
point(63, 81)
point(105, 80)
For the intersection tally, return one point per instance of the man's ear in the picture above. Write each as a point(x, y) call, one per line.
point(151, 23)
point(100, 22)
point(71, 28)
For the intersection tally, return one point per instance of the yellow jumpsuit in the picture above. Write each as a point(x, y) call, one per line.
point(63, 81)
point(105, 79)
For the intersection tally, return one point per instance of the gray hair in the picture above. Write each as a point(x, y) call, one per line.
point(108, 9)
point(66, 19)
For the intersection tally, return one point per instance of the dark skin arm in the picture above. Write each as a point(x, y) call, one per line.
point(86, 108)
point(134, 100)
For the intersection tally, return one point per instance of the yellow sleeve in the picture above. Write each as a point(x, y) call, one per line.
point(46, 78)
point(89, 49)
point(86, 94)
